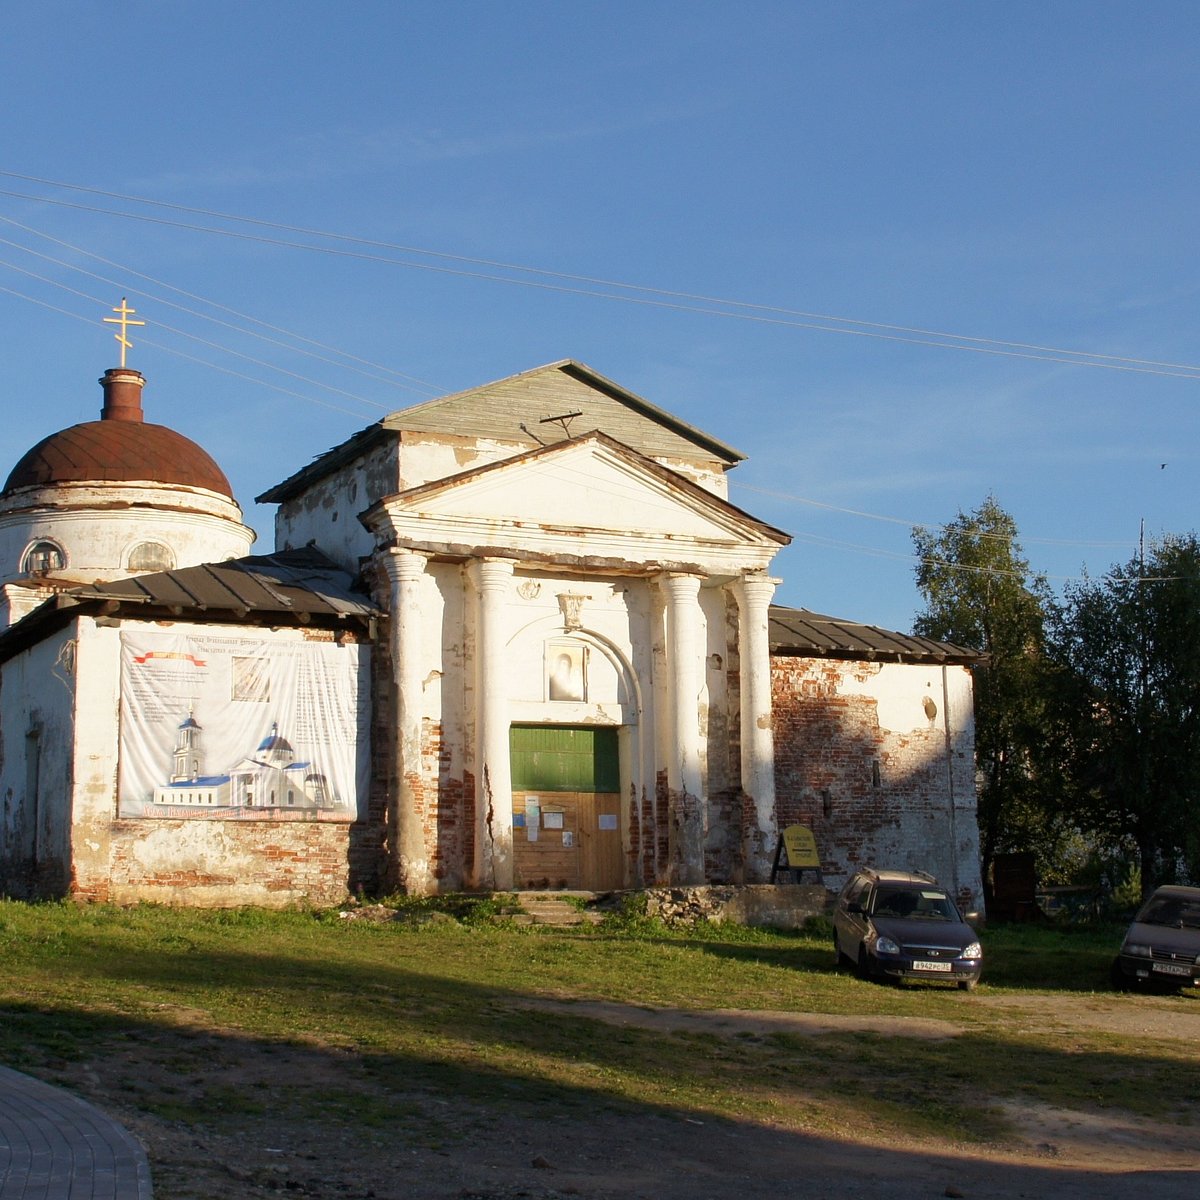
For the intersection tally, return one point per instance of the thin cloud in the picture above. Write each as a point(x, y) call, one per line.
point(338, 153)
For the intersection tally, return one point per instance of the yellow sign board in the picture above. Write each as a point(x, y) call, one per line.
point(801, 848)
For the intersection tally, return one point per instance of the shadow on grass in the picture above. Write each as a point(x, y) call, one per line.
point(237, 1038)
point(1015, 957)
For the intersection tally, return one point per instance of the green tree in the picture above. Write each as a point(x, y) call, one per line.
point(979, 592)
point(1127, 707)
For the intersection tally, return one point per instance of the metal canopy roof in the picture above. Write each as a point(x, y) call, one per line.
point(293, 587)
point(797, 631)
point(293, 583)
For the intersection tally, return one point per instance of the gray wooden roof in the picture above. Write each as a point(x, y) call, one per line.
point(796, 631)
point(499, 409)
point(293, 587)
point(514, 409)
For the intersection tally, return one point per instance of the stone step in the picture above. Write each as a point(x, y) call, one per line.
point(554, 910)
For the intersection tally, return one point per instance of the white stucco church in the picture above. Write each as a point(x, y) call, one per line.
point(520, 632)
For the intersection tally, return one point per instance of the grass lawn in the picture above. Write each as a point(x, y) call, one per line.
point(222, 1018)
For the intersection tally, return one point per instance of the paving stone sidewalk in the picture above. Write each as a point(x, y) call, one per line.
point(55, 1146)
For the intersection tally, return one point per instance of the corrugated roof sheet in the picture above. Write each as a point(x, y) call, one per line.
point(295, 583)
point(293, 587)
point(807, 634)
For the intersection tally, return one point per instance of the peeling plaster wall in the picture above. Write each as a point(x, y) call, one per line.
point(614, 617)
point(93, 798)
point(878, 759)
point(37, 699)
point(425, 457)
point(326, 514)
point(620, 628)
point(90, 853)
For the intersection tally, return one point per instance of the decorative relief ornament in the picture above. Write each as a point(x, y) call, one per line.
point(571, 604)
point(529, 589)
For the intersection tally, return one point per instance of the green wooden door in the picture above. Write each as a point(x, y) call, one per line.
point(559, 758)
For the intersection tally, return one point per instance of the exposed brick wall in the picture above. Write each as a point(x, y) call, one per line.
point(447, 808)
point(872, 796)
point(246, 862)
point(723, 848)
point(660, 846)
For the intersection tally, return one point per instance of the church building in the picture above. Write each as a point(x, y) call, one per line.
point(513, 638)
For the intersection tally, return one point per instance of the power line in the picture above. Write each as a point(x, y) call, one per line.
point(926, 525)
point(411, 382)
point(182, 354)
point(202, 341)
point(671, 300)
point(982, 345)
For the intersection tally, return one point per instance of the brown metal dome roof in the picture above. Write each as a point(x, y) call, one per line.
point(118, 452)
point(119, 448)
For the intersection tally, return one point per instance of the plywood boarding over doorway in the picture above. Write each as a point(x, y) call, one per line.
point(566, 807)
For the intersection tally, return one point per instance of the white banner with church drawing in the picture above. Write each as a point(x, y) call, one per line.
point(219, 726)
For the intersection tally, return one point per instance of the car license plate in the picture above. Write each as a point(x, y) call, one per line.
point(1171, 969)
point(921, 965)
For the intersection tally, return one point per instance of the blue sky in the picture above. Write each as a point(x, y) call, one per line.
point(1020, 174)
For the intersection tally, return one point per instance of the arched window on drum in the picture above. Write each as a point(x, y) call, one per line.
point(151, 556)
point(43, 558)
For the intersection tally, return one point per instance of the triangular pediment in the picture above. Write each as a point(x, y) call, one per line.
point(590, 495)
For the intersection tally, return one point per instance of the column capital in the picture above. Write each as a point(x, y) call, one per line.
point(755, 588)
point(404, 565)
point(680, 585)
point(492, 573)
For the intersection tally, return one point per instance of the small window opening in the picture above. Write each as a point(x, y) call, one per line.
point(43, 557)
point(151, 556)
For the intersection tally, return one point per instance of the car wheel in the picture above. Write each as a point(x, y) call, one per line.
point(864, 965)
point(1117, 977)
point(967, 985)
point(845, 962)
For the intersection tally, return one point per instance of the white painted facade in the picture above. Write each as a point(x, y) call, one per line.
point(497, 573)
point(100, 528)
point(38, 759)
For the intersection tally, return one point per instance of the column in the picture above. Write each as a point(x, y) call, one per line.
point(759, 825)
point(685, 658)
point(406, 825)
point(493, 771)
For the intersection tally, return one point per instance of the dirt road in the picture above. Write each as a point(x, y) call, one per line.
point(437, 1147)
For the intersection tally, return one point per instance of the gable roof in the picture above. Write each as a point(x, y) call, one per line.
point(500, 408)
point(523, 408)
point(292, 587)
point(804, 634)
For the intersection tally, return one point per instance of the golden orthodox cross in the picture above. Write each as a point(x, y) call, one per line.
point(122, 319)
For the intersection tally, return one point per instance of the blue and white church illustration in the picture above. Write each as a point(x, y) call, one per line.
point(270, 779)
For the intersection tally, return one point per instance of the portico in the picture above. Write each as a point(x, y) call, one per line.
point(609, 593)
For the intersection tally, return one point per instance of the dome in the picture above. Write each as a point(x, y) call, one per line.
point(273, 742)
point(118, 452)
point(119, 448)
